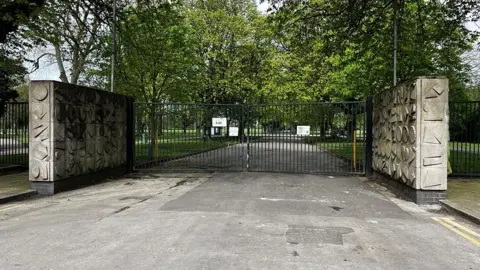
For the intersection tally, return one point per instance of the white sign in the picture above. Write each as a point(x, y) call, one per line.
point(233, 132)
point(303, 130)
point(219, 122)
point(216, 132)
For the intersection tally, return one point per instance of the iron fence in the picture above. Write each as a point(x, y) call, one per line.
point(308, 137)
point(464, 145)
point(14, 134)
point(182, 137)
point(256, 137)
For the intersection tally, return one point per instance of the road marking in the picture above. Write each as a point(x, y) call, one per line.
point(449, 220)
point(293, 200)
point(452, 228)
point(9, 207)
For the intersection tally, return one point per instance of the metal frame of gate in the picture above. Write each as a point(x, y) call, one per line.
point(293, 137)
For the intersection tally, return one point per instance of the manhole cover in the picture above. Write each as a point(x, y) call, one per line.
point(298, 234)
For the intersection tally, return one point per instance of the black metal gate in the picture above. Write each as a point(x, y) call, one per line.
point(299, 138)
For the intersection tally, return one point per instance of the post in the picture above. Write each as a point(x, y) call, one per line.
point(394, 42)
point(410, 146)
point(248, 135)
point(155, 143)
point(95, 142)
point(114, 41)
point(354, 148)
point(369, 137)
point(130, 135)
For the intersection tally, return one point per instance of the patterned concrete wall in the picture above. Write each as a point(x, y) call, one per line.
point(74, 130)
point(410, 133)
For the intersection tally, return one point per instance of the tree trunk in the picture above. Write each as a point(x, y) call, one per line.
point(61, 68)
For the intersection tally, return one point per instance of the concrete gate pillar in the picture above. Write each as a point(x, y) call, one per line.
point(77, 135)
point(410, 138)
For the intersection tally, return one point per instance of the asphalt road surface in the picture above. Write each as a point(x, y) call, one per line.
point(232, 221)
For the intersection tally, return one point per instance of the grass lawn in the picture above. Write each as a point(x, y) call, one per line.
point(465, 162)
point(179, 134)
point(461, 161)
point(464, 146)
point(169, 134)
point(168, 149)
point(14, 159)
point(23, 138)
point(465, 157)
point(344, 149)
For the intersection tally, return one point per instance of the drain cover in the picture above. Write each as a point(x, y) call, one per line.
point(298, 234)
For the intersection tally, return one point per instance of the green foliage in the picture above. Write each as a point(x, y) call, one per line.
point(12, 46)
point(231, 46)
point(348, 44)
point(14, 14)
point(225, 51)
point(155, 57)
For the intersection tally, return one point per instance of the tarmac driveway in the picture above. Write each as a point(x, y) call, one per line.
point(229, 221)
point(268, 153)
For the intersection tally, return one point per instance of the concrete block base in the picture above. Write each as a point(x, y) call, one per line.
point(421, 197)
point(53, 187)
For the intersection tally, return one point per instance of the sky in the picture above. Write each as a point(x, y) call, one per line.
point(48, 69)
point(262, 7)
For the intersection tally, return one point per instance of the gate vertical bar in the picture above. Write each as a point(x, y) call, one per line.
point(369, 137)
point(241, 134)
point(248, 135)
point(130, 135)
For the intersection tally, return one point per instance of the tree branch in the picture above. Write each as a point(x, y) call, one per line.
point(36, 62)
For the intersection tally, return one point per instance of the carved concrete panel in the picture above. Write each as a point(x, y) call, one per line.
point(410, 130)
point(40, 141)
point(74, 130)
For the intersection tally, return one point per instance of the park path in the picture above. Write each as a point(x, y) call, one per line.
point(269, 153)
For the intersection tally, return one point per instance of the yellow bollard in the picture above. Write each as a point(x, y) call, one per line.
point(355, 148)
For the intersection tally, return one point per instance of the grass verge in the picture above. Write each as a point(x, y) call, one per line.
point(14, 159)
point(177, 148)
point(344, 149)
point(464, 162)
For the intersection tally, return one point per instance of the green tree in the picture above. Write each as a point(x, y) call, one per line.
point(349, 44)
point(155, 58)
point(12, 45)
point(74, 31)
point(231, 47)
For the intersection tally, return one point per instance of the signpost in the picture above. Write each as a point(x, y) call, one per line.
point(303, 130)
point(233, 132)
point(219, 122)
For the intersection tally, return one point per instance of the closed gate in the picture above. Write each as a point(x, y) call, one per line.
point(297, 138)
